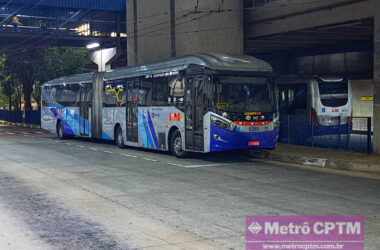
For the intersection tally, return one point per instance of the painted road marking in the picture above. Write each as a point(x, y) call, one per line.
point(94, 149)
point(176, 165)
point(149, 159)
point(205, 165)
point(196, 166)
point(108, 152)
point(9, 133)
point(128, 155)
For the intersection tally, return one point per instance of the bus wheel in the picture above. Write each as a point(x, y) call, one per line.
point(119, 138)
point(61, 131)
point(176, 147)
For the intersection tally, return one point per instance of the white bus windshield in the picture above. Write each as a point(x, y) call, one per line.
point(244, 94)
point(333, 93)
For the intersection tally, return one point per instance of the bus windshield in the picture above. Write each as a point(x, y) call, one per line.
point(333, 93)
point(244, 94)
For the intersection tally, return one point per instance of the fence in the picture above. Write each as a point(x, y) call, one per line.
point(355, 135)
point(27, 117)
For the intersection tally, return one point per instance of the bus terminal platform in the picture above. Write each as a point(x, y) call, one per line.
point(321, 159)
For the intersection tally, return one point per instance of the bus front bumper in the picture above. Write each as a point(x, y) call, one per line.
point(227, 140)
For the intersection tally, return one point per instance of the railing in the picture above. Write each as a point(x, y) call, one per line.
point(21, 117)
point(355, 135)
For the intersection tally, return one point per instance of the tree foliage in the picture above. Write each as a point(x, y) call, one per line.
point(31, 68)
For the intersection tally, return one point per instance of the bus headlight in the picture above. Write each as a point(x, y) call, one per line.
point(223, 123)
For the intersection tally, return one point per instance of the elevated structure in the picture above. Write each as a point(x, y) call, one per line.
point(41, 23)
point(341, 36)
point(283, 30)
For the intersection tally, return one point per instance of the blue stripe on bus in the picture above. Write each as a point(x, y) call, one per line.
point(147, 140)
point(70, 120)
point(153, 131)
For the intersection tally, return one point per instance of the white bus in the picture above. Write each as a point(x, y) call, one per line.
point(200, 103)
point(326, 103)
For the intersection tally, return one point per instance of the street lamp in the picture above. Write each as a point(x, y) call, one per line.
point(93, 45)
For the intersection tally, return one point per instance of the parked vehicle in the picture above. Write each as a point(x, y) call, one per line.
point(326, 103)
point(199, 103)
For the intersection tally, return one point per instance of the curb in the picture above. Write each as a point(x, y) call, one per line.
point(322, 163)
point(20, 125)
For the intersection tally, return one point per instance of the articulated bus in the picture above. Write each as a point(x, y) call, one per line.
point(198, 103)
point(325, 102)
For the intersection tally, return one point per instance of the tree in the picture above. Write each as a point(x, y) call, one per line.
point(6, 86)
point(31, 68)
point(58, 62)
point(22, 68)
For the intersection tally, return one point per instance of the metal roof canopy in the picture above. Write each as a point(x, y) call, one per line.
point(106, 5)
point(337, 38)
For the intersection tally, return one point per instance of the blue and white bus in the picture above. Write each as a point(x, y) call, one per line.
point(324, 104)
point(198, 103)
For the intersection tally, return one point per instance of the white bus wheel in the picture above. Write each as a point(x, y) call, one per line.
point(176, 146)
point(119, 138)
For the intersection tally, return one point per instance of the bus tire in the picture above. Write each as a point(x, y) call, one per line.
point(176, 147)
point(119, 138)
point(61, 131)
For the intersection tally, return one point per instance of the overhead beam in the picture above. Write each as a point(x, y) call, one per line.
point(261, 23)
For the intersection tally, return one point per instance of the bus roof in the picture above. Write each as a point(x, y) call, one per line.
point(211, 61)
point(218, 62)
point(79, 78)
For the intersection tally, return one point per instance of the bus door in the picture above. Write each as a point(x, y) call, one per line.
point(196, 106)
point(84, 110)
point(133, 99)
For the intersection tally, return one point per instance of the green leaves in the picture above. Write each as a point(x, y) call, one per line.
point(31, 68)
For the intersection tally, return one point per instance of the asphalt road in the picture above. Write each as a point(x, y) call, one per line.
point(77, 194)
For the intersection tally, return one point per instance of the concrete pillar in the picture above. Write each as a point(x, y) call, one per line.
point(376, 76)
point(159, 29)
point(209, 26)
point(97, 107)
point(132, 23)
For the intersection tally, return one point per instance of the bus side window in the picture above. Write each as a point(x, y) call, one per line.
point(109, 97)
point(67, 95)
point(145, 93)
point(45, 96)
point(160, 91)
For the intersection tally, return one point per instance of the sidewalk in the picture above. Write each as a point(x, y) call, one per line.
point(323, 158)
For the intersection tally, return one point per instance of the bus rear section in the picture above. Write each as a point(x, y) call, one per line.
point(332, 106)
